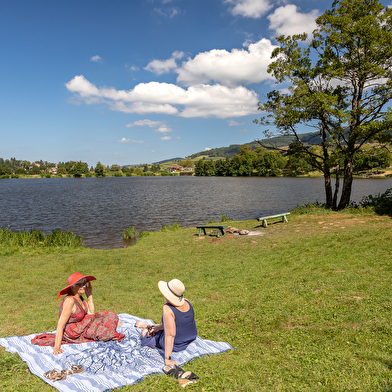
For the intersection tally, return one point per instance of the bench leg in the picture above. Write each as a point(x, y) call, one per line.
point(284, 219)
point(200, 231)
point(264, 223)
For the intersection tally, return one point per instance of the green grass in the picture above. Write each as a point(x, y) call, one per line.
point(307, 305)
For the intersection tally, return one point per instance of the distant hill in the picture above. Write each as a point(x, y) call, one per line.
point(274, 142)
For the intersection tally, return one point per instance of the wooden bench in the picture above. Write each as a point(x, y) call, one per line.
point(283, 216)
point(219, 227)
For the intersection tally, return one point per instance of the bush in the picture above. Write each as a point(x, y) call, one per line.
point(381, 203)
point(5, 176)
point(129, 233)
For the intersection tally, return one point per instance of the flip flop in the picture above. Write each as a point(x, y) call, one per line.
point(54, 375)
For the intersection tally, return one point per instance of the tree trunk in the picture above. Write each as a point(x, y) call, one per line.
point(337, 183)
point(347, 185)
point(328, 189)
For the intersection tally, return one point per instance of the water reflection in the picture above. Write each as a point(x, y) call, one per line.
point(100, 209)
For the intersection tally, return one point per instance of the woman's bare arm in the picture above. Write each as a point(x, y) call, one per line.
point(65, 314)
point(169, 326)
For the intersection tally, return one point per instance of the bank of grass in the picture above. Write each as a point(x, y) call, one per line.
point(307, 305)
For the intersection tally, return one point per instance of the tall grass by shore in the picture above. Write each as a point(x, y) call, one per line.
point(13, 240)
point(307, 304)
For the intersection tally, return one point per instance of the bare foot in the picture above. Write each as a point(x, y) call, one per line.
point(119, 323)
point(140, 324)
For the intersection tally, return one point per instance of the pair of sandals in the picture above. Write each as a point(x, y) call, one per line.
point(54, 375)
point(184, 377)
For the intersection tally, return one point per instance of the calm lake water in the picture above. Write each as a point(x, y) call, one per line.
point(100, 209)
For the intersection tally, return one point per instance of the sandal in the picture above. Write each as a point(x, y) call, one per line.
point(74, 369)
point(54, 375)
point(150, 333)
point(173, 371)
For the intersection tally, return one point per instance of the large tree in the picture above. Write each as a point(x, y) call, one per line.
point(340, 84)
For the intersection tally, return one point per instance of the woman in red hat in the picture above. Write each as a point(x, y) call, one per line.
point(77, 321)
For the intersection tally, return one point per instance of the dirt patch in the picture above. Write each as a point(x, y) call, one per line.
point(215, 240)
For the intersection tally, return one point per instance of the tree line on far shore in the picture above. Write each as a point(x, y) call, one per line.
point(15, 168)
point(267, 163)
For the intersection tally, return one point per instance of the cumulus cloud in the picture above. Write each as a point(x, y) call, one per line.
point(159, 67)
point(124, 140)
point(95, 58)
point(246, 66)
point(197, 101)
point(249, 8)
point(165, 138)
point(288, 20)
point(207, 148)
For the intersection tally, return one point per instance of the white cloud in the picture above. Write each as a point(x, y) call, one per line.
point(95, 58)
point(233, 123)
point(160, 67)
point(142, 123)
point(168, 12)
point(288, 21)
point(207, 149)
point(165, 138)
point(163, 129)
point(249, 8)
point(246, 66)
point(124, 140)
point(197, 101)
point(134, 68)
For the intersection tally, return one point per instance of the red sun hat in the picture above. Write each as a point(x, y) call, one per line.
point(72, 279)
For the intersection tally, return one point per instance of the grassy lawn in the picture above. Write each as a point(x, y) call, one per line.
point(307, 305)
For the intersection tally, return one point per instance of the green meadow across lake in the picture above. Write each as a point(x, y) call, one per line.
point(307, 304)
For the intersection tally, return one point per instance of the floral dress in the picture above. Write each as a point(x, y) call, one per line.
point(81, 327)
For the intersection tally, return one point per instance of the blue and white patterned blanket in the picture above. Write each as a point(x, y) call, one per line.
point(106, 365)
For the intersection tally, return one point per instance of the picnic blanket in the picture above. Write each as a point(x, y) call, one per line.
point(107, 365)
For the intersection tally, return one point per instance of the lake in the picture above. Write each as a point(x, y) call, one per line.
point(100, 209)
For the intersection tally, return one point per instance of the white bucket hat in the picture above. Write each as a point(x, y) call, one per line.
point(173, 291)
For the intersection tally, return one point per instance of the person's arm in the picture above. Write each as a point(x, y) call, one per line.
point(169, 326)
point(65, 314)
point(90, 302)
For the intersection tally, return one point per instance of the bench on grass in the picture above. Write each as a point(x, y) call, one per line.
point(283, 216)
point(219, 227)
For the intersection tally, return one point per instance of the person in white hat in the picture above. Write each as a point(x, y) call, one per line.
point(178, 327)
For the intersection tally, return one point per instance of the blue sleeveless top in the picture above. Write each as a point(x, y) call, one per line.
point(186, 330)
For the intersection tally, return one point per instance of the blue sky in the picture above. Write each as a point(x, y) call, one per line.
point(137, 81)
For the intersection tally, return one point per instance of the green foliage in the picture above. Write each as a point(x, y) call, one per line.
point(34, 170)
point(143, 234)
point(313, 208)
point(381, 203)
point(173, 227)
point(129, 233)
point(100, 170)
point(224, 218)
point(37, 239)
point(340, 82)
